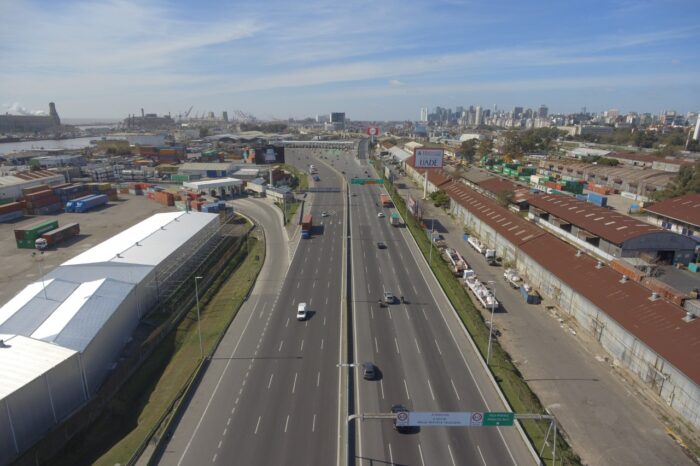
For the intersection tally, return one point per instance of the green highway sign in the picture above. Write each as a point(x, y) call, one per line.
point(367, 181)
point(357, 181)
point(498, 419)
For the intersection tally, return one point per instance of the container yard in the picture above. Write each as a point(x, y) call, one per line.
point(95, 226)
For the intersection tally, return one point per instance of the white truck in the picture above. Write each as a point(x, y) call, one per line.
point(490, 255)
point(476, 244)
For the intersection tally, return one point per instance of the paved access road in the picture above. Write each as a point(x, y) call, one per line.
point(270, 396)
point(424, 359)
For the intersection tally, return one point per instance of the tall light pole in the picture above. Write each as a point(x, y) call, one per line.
point(493, 307)
point(199, 325)
point(432, 228)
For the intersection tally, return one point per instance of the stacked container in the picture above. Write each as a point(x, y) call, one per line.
point(70, 205)
point(12, 211)
point(597, 199)
point(26, 237)
point(164, 197)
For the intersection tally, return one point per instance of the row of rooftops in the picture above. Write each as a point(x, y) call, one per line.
point(684, 209)
point(659, 324)
point(619, 174)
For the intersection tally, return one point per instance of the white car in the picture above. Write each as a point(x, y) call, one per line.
point(381, 215)
point(302, 311)
point(324, 214)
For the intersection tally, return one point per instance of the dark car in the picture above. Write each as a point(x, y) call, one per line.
point(381, 245)
point(368, 371)
point(400, 409)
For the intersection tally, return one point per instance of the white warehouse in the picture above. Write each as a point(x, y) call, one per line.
point(61, 336)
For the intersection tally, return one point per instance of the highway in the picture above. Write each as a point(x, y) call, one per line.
point(421, 358)
point(271, 393)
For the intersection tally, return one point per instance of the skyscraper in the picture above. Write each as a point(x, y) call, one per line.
point(696, 134)
point(517, 112)
point(424, 114)
point(478, 117)
point(542, 112)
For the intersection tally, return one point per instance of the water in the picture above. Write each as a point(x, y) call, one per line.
point(47, 144)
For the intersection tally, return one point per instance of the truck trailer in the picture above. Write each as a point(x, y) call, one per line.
point(306, 225)
point(385, 200)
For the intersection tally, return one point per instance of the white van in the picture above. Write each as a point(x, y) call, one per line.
point(302, 311)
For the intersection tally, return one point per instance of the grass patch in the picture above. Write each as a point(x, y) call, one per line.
point(141, 403)
point(516, 391)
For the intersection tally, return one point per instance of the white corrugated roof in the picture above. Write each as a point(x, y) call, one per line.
point(23, 359)
point(66, 311)
point(170, 229)
point(22, 298)
point(217, 183)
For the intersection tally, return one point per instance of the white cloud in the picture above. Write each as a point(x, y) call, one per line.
point(396, 82)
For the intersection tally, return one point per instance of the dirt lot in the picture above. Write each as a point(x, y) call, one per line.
point(18, 268)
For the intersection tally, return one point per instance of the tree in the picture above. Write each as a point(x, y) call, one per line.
point(687, 181)
point(485, 148)
point(504, 198)
point(468, 150)
point(440, 198)
point(34, 165)
point(203, 132)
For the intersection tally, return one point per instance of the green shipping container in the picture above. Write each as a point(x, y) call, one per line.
point(35, 231)
point(180, 178)
point(6, 200)
point(25, 243)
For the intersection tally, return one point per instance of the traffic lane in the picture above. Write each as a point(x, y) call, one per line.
point(439, 392)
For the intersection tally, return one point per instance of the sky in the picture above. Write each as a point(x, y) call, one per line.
point(373, 60)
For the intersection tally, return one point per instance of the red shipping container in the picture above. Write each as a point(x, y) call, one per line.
point(12, 207)
point(35, 189)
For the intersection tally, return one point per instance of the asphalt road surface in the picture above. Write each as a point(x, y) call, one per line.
point(271, 395)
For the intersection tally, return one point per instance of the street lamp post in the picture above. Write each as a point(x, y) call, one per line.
point(493, 306)
point(41, 272)
point(432, 228)
point(199, 326)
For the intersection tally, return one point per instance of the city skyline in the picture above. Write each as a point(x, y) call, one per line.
point(373, 61)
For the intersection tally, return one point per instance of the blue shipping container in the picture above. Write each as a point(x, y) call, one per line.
point(87, 204)
point(582, 197)
point(70, 205)
point(597, 199)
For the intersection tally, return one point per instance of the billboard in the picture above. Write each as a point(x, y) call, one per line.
point(269, 154)
point(429, 158)
point(372, 131)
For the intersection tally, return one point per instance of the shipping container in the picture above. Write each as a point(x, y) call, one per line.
point(12, 207)
point(10, 216)
point(597, 199)
point(35, 189)
point(34, 231)
point(87, 204)
point(70, 205)
point(54, 237)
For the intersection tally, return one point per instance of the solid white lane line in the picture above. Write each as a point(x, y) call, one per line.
point(318, 378)
point(298, 283)
point(301, 348)
point(324, 321)
point(313, 284)
point(455, 389)
point(417, 345)
point(294, 386)
point(257, 425)
point(449, 450)
point(326, 300)
point(482, 456)
point(431, 390)
point(397, 345)
point(420, 451)
point(381, 385)
point(235, 402)
point(414, 288)
point(321, 343)
point(405, 385)
point(371, 313)
point(424, 314)
point(269, 384)
point(228, 423)
point(225, 431)
point(376, 346)
point(286, 424)
point(438, 347)
point(368, 291)
point(313, 424)
point(280, 348)
point(391, 455)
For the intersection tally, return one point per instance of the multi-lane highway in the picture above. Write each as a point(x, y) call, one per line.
point(271, 396)
point(274, 393)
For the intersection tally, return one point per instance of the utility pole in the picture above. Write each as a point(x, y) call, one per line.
point(493, 306)
point(199, 325)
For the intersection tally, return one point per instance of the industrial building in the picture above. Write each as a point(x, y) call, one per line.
point(609, 233)
point(30, 123)
point(11, 186)
point(220, 187)
point(63, 334)
point(680, 214)
point(648, 335)
point(207, 170)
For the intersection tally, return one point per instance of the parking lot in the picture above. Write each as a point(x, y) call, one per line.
point(20, 268)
